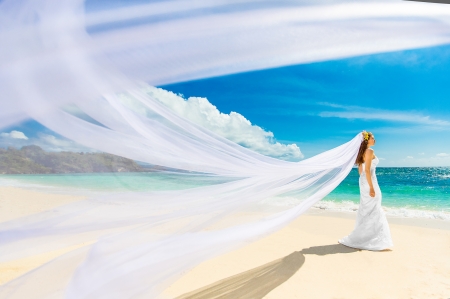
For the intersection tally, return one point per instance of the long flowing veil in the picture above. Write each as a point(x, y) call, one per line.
point(81, 75)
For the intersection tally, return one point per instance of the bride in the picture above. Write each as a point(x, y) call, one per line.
point(371, 230)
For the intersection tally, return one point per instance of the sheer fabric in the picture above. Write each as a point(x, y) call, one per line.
point(143, 240)
point(80, 74)
point(72, 53)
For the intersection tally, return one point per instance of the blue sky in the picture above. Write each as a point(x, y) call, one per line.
point(403, 97)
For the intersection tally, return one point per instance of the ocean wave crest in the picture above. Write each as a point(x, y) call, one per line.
point(349, 206)
point(352, 207)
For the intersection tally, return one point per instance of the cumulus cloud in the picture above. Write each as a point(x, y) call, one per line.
point(14, 135)
point(443, 155)
point(47, 142)
point(57, 144)
point(409, 157)
point(233, 126)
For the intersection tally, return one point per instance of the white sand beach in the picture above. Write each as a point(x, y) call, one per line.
point(302, 260)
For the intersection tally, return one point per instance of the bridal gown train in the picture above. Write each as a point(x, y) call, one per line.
point(371, 230)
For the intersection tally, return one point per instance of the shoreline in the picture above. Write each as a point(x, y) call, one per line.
point(398, 220)
point(326, 204)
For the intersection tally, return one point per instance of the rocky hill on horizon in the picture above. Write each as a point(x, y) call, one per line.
point(32, 159)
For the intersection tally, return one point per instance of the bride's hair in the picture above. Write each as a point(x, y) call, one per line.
point(362, 148)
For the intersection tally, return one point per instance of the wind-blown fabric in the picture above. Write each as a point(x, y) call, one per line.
point(142, 240)
point(80, 73)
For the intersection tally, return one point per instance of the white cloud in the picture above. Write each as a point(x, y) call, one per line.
point(233, 126)
point(421, 154)
point(367, 113)
point(409, 157)
point(200, 111)
point(381, 158)
point(430, 161)
point(15, 135)
point(45, 141)
point(55, 144)
point(443, 155)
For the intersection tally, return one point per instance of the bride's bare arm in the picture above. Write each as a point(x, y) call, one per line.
point(368, 156)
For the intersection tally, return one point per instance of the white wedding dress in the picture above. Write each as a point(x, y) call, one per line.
point(371, 229)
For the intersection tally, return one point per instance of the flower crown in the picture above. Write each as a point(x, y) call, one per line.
point(366, 135)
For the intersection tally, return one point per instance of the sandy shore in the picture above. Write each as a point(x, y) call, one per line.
point(303, 260)
point(16, 203)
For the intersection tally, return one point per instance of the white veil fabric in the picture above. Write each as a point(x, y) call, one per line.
point(144, 239)
point(80, 74)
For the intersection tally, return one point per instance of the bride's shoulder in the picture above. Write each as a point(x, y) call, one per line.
point(369, 153)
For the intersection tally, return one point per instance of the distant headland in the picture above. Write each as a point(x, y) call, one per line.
point(32, 159)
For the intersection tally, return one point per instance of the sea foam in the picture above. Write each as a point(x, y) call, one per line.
point(352, 207)
point(349, 206)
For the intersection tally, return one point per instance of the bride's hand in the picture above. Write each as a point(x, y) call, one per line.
point(372, 192)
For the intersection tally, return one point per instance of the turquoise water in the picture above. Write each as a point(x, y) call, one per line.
point(408, 191)
point(406, 187)
point(142, 181)
point(423, 189)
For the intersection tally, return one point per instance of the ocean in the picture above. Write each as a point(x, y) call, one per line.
point(422, 192)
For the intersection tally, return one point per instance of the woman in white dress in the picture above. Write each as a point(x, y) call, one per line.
point(371, 229)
